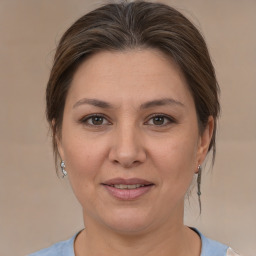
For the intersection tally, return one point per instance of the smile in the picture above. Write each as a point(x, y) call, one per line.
point(124, 186)
point(127, 189)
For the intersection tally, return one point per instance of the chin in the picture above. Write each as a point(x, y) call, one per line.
point(128, 221)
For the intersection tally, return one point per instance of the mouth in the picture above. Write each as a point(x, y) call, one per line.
point(127, 189)
point(124, 186)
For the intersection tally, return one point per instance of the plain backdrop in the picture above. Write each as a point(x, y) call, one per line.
point(37, 208)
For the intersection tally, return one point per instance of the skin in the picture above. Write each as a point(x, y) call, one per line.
point(127, 142)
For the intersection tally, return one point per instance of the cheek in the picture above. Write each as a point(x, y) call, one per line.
point(175, 162)
point(84, 159)
point(84, 164)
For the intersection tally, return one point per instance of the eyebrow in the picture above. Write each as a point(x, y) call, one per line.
point(93, 102)
point(161, 102)
point(148, 104)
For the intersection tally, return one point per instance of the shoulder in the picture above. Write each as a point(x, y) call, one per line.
point(63, 248)
point(214, 248)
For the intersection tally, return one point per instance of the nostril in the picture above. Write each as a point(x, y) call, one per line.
point(126, 153)
point(127, 164)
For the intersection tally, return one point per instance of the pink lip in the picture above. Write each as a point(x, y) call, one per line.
point(127, 194)
point(131, 181)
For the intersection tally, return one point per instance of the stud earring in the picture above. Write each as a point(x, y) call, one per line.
point(199, 174)
point(62, 166)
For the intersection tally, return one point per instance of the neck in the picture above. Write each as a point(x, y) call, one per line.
point(175, 239)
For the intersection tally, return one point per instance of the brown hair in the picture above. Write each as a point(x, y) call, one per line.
point(139, 24)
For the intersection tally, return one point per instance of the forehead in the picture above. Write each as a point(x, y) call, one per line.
point(132, 75)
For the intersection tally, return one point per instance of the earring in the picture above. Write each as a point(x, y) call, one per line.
point(199, 174)
point(62, 166)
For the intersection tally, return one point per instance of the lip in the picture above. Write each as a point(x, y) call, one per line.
point(127, 194)
point(131, 181)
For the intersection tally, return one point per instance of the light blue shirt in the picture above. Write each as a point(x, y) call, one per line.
point(66, 248)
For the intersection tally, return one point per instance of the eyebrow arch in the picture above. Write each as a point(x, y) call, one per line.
point(148, 104)
point(94, 102)
point(161, 102)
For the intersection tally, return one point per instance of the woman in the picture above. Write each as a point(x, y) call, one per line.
point(132, 102)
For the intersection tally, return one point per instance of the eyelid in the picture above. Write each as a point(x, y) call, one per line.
point(84, 119)
point(170, 118)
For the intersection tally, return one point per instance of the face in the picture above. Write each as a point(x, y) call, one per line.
point(130, 140)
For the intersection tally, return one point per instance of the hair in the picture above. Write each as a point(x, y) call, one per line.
point(132, 25)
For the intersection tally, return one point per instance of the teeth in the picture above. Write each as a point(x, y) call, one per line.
point(123, 186)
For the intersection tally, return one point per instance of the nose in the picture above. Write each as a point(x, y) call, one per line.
point(127, 148)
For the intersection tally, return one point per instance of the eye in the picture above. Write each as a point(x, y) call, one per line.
point(160, 120)
point(95, 120)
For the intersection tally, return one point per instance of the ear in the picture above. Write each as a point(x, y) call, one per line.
point(205, 140)
point(57, 137)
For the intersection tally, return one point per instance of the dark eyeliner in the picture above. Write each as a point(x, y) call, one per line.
point(84, 119)
point(169, 118)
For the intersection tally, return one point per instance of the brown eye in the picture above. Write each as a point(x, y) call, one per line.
point(95, 120)
point(158, 120)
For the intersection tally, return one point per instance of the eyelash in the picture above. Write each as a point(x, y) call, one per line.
point(169, 119)
point(85, 120)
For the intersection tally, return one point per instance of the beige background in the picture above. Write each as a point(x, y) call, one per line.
point(37, 208)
